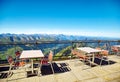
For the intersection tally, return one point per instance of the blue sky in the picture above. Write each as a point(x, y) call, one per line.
point(72, 17)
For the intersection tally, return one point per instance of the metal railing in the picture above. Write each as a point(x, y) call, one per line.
point(71, 43)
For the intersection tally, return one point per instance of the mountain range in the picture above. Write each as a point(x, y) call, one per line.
point(47, 37)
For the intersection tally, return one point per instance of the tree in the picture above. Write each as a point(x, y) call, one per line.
point(10, 52)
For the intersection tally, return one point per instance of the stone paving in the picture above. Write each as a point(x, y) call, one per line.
point(78, 73)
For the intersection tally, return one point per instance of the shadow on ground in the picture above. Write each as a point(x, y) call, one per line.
point(58, 68)
point(97, 61)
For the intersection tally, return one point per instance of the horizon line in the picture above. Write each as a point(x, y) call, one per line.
point(59, 34)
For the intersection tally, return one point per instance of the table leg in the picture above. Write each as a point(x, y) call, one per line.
point(32, 65)
point(93, 58)
point(39, 67)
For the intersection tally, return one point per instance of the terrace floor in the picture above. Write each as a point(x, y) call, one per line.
point(73, 71)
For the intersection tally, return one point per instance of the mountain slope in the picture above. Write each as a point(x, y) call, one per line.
point(46, 37)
